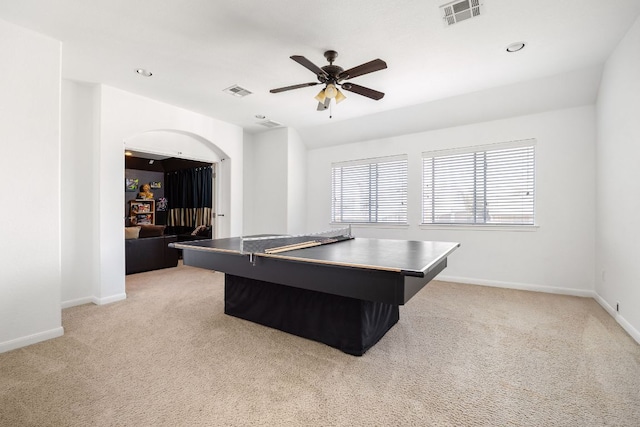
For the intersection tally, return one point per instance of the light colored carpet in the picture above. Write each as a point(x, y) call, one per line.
point(461, 355)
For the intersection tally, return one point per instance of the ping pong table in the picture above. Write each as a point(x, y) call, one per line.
point(341, 291)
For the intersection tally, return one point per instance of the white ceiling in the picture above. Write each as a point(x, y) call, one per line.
point(197, 48)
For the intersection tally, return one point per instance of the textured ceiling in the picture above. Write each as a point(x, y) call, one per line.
point(197, 48)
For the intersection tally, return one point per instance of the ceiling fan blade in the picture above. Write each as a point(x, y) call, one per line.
point(369, 67)
point(364, 91)
point(282, 89)
point(324, 105)
point(310, 66)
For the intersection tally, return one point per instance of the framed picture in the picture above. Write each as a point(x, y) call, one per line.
point(155, 184)
point(131, 184)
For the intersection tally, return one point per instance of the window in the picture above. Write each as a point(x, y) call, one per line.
point(370, 191)
point(493, 186)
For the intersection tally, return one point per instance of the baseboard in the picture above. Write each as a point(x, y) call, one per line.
point(31, 339)
point(612, 311)
point(94, 300)
point(109, 300)
point(633, 332)
point(519, 286)
point(78, 301)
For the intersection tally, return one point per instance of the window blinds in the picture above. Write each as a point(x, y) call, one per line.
point(370, 191)
point(481, 187)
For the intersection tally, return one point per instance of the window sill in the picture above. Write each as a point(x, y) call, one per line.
point(480, 227)
point(367, 225)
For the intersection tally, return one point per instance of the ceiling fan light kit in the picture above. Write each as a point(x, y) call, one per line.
point(332, 76)
point(330, 91)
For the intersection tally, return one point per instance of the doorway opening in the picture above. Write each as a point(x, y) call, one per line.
point(167, 200)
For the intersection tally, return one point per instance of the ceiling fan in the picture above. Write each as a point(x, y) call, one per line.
point(333, 76)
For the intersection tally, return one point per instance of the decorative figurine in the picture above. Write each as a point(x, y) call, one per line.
point(146, 192)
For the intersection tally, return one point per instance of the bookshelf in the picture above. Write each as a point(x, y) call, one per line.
point(142, 211)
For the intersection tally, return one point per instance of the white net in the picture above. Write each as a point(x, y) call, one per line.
point(277, 244)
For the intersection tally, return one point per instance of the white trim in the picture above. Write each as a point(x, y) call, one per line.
point(369, 225)
point(633, 332)
point(76, 302)
point(109, 300)
point(519, 286)
point(31, 339)
point(480, 227)
point(530, 142)
point(94, 300)
point(371, 161)
point(612, 311)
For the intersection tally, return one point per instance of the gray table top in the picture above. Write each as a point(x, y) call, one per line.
point(408, 257)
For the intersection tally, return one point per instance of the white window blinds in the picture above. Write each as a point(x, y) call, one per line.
point(494, 186)
point(370, 191)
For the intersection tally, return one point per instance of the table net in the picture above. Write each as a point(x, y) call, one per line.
point(277, 244)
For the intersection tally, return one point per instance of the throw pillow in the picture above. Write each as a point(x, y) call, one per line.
point(151, 230)
point(197, 230)
point(131, 232)
point(204, 231)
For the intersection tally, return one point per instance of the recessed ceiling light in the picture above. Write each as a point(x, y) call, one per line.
point(515, 47)
point(144, 72)
point(128, 153)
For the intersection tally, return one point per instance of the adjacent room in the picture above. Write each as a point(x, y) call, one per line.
point(467, 171)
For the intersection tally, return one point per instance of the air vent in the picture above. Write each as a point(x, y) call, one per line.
point(461, 10)
point(238, 91)
point(270, 124)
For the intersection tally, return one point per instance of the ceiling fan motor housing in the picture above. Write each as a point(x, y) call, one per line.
point(333, 71)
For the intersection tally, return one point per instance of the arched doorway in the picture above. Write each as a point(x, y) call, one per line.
point(177, 144)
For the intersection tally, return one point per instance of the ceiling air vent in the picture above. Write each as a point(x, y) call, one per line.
point(270, 124)
point(238, 91)
point(460, 10)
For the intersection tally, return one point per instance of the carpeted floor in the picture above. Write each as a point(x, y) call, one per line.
point(461, 355)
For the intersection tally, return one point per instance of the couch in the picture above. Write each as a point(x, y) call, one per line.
point(199, 233)
point(147, 248)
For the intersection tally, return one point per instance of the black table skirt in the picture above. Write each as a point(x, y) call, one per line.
point(348, 324)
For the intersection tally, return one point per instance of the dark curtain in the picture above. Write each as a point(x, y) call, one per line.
point(189, 198)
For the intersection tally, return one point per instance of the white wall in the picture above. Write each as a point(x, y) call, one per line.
point(296, 184)
point(175, 144)
point(100, 122)
point(79, 197)
point(124, 115)
point(30, 170)
point(618, 184)
point(248, 198)
point(557, 256)
point(275, 182)
point(268, 180)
